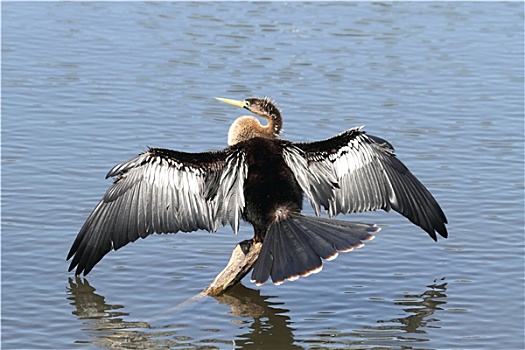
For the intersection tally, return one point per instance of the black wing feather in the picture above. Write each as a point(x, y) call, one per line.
point(355, 172)
point(162, 191)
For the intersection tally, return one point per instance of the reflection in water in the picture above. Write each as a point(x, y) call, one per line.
point(104, 323)
point(419, 309)
point(421, 306)
point(270, 327)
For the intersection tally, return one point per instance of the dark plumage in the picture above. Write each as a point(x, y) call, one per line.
point(260, 179)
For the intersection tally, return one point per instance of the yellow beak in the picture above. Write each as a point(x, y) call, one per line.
point(235, 103)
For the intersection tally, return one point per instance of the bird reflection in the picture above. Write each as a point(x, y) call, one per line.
point(270, 328)
point(103, 321)
point(420, 307)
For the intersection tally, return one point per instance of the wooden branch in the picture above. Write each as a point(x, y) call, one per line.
point(243, 258)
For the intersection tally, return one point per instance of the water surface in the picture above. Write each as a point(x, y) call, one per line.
point(88, 85)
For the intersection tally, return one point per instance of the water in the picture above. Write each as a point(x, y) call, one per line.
point(87, 85)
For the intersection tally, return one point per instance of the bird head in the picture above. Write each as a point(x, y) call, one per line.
point(263, 107)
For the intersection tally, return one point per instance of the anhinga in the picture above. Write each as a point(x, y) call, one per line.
point(260, 179)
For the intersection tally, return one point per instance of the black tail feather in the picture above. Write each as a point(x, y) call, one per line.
point(294, 246)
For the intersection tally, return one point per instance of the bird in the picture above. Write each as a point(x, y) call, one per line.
point(260, 179)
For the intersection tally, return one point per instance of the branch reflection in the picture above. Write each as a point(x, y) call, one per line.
point(271, 326)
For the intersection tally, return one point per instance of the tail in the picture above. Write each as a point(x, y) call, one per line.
point(294, 246)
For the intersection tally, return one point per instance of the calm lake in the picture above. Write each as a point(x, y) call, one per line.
point(86, 85)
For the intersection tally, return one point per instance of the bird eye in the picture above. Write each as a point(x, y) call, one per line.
point(246, 104)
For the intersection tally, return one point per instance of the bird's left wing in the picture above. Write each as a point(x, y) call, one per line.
point(355, 172)
point(162, 191)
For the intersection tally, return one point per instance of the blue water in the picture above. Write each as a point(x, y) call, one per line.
point(88, 85)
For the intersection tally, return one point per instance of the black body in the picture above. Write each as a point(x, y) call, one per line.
point(270, 185)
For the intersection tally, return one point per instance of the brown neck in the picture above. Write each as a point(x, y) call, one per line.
point(248, 127)
point(275, 124)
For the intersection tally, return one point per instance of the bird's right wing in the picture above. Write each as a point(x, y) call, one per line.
point(355, 172)
point(162, 191)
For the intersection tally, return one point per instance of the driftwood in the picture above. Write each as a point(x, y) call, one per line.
point(243, 258)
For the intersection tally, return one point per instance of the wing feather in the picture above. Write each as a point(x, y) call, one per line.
point(162, 191)
point(355, 172)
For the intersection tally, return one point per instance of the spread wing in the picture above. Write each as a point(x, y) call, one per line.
point(355, 172)
point(162, 191)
